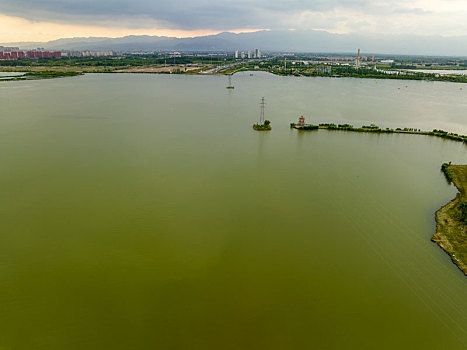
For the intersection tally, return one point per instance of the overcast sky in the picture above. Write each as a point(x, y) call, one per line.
point(42, 20)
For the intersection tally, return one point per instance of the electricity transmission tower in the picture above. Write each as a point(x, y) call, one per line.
point(261, 118)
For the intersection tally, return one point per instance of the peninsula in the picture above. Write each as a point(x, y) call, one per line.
point(375, 129)
point(451, 219)
point(36, 75)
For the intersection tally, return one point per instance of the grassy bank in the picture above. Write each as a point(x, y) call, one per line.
point(451, 219)
point(42, 75)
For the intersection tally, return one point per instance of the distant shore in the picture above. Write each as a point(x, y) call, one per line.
point(212, 69)
point(451, 219)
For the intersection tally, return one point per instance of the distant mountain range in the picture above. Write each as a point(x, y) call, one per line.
point(283, 41)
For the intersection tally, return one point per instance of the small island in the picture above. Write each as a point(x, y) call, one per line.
point(451, 219)
point(262, 125)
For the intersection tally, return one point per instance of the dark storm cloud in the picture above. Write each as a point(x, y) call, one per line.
point(180, 14)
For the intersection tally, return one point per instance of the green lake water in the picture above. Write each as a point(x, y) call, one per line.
point(143, 212)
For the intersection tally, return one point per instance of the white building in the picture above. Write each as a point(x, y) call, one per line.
point(257, 53)
point(236, 54)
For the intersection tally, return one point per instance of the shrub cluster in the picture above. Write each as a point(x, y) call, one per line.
point(446, 171)
point(463, 208)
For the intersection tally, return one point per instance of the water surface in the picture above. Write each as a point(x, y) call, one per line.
point(143, 212)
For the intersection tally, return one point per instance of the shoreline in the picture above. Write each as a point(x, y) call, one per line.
point(451, 227)
point(204, 70)
point(40, 75)
point(374, 129)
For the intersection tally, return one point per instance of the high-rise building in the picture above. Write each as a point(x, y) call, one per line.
point(257, 53)
point(243, 54)
point(236, 54)
point(249, 54)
